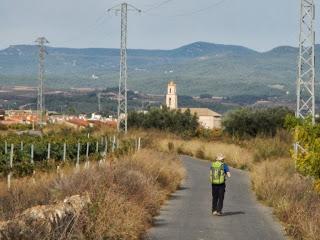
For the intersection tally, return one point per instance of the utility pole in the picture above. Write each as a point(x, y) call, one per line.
point(122, 123)
point(40, 101)
point(306, 65)
point(99, 102)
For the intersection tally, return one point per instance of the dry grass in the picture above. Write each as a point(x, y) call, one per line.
point(125, 195)
point(236, 156)
point(275, 181)
point(293, 198)
point(264, 148)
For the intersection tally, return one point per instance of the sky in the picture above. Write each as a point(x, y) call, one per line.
point(257, 24)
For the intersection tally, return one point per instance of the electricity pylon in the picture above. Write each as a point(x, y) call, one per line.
point(99, 102)
point(306, 65)
point(40, 101)
point(306, 68)
point(122, 124)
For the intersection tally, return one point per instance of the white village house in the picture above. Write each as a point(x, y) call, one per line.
point(207, 118)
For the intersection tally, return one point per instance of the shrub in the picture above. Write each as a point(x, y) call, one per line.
point(317, 186)
point(3, 127)
point(209, 134)
point(175, 121)
point(184, 150)
point(200, 153)
point(308, 136)
point(250, 122)
point(20, 127)
point(170, 146)
point(266, 148)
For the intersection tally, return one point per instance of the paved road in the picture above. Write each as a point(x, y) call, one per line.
point(187, 215)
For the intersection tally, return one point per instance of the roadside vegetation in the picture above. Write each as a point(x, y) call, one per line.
point(236, 156)
point(129, 189)
point(293, 197)
point(125, 194)
point(126, 188)
point(251, 122)
point(308, 137)
point(261, 141)
point(181, 123)
point(30, 151)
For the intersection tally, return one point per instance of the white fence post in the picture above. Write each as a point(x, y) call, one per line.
point(49, 151)
point(64, 152)
point(78, 155)
point(11, 166)
point(106, 147)
point(9, 180)
point(87, 151)
point(113, 143)
point(11, 156)
point(87, 155)
point(139, 143)
point(32, 154)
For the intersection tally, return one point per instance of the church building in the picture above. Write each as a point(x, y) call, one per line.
point(207, 118)
point(171, 97)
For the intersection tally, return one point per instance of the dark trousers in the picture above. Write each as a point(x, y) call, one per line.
point(218, 197)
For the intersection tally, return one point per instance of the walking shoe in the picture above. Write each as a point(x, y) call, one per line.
point(214, 213)
point(219, 214)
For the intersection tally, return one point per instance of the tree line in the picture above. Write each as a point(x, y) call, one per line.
point(175, 121)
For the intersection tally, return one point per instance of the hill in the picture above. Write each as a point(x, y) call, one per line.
point(198, 68)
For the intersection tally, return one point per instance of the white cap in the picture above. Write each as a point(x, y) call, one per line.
point(220, 157)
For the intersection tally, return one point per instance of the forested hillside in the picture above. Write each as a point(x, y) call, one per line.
point(198, 68)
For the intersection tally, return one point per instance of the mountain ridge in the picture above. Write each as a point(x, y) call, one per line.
point(201, 43)
point(198, 68)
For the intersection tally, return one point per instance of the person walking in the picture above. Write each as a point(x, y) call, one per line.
point(218, 172)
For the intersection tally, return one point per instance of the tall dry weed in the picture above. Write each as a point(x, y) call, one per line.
point(125, 194)
point(269, 148)
point(292, 196)
point(273, 175)
point(236, 156)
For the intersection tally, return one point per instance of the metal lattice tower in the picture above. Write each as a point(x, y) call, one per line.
point(40, 101)
point(99, 102)
point(122, 124)
point(306, 65)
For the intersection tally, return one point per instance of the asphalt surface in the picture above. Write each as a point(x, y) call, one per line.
point(187, 215)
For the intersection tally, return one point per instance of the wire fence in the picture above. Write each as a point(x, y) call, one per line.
point(18, 160)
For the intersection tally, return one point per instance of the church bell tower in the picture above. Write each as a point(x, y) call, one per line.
point(171, 97)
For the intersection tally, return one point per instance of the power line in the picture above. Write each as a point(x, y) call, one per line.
point(157, 5)
point(204, 9)
point(200, 10)
point(91, 28)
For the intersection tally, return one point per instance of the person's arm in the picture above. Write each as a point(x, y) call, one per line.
point(227, 171)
